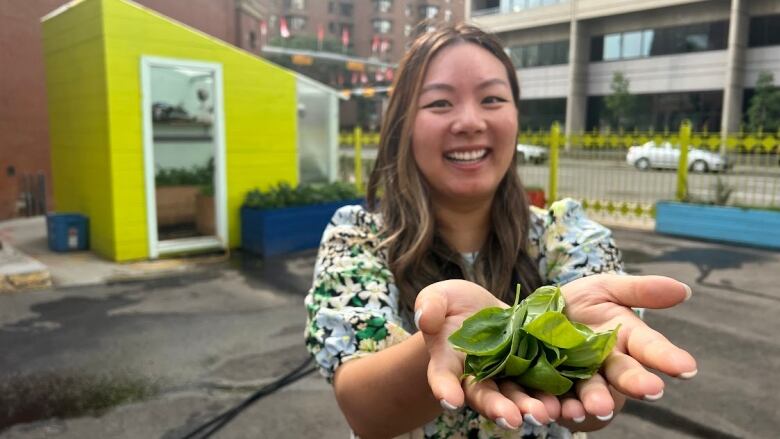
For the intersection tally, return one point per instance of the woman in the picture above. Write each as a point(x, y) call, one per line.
point(452, 226)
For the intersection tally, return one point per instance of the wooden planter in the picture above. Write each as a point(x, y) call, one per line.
point(760, 228)
point(204, 215)
point(270, 232)
point(175, 205)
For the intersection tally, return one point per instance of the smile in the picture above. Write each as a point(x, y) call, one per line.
point(467, 156)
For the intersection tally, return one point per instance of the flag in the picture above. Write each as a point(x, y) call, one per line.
point(389, 74)
point(363, 78)
point(263, 28)
point(379, 75)
point(385, 45)
point(320, 35)
point(354, 78)
point(375, 44)
point(283, 29)
point(345, 37)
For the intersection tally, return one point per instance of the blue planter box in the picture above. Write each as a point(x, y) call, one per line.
point(760, 228)
point(269, 232)
point(67, 231)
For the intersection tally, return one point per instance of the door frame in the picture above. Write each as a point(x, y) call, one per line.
point(156, 247)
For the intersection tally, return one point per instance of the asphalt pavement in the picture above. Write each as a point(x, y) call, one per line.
point(185, 347)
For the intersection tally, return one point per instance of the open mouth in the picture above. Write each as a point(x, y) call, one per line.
point(467, 157)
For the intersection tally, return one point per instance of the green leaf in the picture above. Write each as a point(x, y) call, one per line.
point(544, 299)
point(581, 373)
point(593, 351)
point(555, 329)
point(516, 366)
point(542, 376)
point(485, 333)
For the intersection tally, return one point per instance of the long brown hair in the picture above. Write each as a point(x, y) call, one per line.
point(418, 255)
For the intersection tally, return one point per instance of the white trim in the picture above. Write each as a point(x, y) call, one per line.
point(157, 247)
point(188, 244)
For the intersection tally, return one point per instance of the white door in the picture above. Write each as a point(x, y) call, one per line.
point(184, 155)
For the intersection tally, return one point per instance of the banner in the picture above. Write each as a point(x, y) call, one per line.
point(283, 29)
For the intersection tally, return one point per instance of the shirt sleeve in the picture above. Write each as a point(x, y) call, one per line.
point(352, 305)
point(572, 246)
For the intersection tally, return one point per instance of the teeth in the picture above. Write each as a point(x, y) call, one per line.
point(467, 156)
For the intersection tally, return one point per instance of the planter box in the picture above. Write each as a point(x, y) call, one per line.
point(175, 205)
point(760, 228)
point(204, 215)
point(270, 232)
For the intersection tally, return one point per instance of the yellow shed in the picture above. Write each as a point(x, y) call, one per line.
point(159, 130)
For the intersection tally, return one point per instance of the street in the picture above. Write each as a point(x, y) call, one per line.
point(195, 344)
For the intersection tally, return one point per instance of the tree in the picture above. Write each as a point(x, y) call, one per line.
point(621, 103)
point(764, 110)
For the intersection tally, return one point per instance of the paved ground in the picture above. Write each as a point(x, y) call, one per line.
point(200, 341)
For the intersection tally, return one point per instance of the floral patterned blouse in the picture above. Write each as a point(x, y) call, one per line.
point(353, 305)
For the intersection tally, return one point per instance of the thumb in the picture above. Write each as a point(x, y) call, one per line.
point(430, 309)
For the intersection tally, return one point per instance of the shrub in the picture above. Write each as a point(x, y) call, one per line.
point(284, 195)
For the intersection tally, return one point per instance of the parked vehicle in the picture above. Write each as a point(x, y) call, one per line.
point(531, 153)
point(667, 156)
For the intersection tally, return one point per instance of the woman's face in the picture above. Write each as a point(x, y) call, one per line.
point(465, 129)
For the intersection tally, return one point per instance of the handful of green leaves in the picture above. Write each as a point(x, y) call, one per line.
point(532, 343)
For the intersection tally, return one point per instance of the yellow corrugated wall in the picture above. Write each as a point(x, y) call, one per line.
point(260, 116)
point(78, 122)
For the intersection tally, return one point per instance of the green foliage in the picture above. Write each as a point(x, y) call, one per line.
point(284, 195)
point(195, 175)
point(764, 110)
point(621, 104)
point(532, 343)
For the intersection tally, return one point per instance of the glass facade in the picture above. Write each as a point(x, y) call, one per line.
point(537, 55)
point(536, 114)
point(663, 111)
point(764, 31)
point(661, 41)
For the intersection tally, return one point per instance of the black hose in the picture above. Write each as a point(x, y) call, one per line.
point(216, 423)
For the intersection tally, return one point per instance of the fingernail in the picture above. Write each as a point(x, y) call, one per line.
point(446, 405)
point(501, 422)
point(529, 418)
point(579, 419)
point(605, 417)
point(688, 375)
point(655, 397)
point(688, 293)
point(417, 315)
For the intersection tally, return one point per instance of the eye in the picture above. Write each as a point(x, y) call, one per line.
point(441, 103)
point(494, 100)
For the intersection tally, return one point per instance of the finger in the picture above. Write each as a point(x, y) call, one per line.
point(653, 292)
point(551, 403)
point(485, 398)
point(444, 379)
point(653, 350)
point(628, 376)
point(430, 308)
point(534, 410)
point(572, 408)
point(595, 397)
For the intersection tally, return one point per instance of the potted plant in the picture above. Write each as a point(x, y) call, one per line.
point(712, 219)
point(284, 219)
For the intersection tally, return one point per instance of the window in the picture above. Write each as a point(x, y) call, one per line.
point(383, 5)
point(537, 55)
point(763, 31)
point(632, 45)
point(408, 28)
point(428, 11)
point(408, 10)
point(447, 15)
point(647, 42)
point(331, 7)
point(295, 4)
point(252, 39)
point(345, 9)
point(611, 47)
point(296, 23)
point(382, 26)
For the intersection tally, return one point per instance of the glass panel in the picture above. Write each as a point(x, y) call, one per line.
point(182, 131)
point(531, 56)
point(611, 47)
point(314, 125)
point(518, 5)
point(632, 44)
point(647, 42)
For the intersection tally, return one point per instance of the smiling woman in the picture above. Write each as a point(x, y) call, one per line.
point(452, 234)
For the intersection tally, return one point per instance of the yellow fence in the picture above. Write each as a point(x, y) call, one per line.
point(605, 171)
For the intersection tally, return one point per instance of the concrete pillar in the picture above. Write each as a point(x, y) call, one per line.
point(735, 69)
point(577, 98)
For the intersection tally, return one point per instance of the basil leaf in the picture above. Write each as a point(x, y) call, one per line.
point(554, 328)
point(542, 376)
point(581, 373)
point(485, 333)
point(593, 351)
point(516, 366)
point(544, 299)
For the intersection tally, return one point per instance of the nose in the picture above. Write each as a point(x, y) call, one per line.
point(469, 119)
